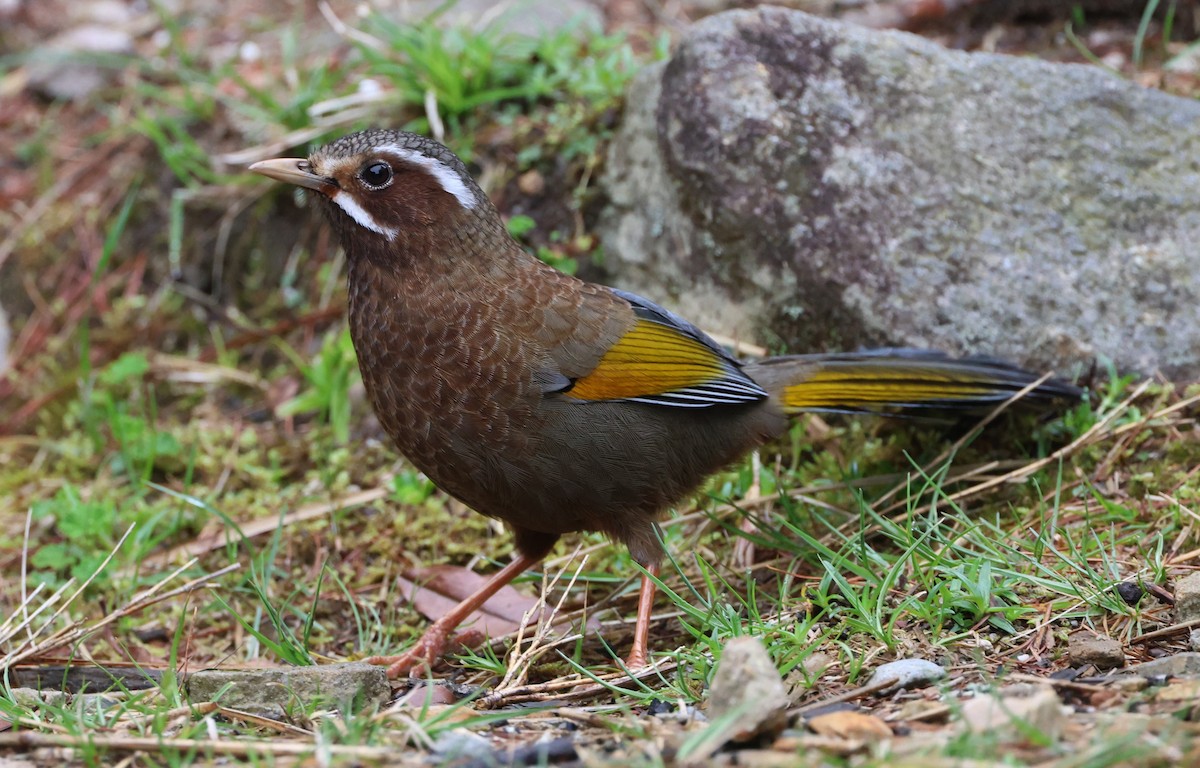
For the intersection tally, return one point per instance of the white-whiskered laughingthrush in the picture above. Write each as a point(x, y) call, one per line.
point(554, 404)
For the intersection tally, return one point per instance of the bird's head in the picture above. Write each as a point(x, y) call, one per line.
point(389, 192)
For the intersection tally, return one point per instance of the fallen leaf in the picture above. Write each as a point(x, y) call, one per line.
point(436, 589)
point(850, 725)
point(437, 700)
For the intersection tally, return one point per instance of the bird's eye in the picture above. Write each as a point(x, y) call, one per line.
point(376, 174)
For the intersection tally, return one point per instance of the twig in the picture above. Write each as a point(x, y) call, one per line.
point(850, 695)
point(1171, 631)
point(571, 688)
point(186, 712)
point(520, 661)
point(349, 32)
point(1066, 685)
point(260, 721)
point(34, 740)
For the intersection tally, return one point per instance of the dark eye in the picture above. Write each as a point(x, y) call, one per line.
point(376, 174)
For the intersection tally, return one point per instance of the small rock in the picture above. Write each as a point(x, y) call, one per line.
point(851, 725)
point(60, 68)
point(1015, 712)
point(748, 682)
point(746, 700)
point(923, 710)
point(95, 703)
point(804, 676)
point(520, 18)
point(1102, 652)
point(1187, 597)
point(275, 693)
point(1130, 592)
point(531, 183)
point(88, 703)
point(796, 743)
point(32, 697)
point(1120, 723)
point(1129, 683)
point(908, 673)
point(1187, 62)
point(1182, 690)
point(250, 52)
point(547, 750)
point(461, 744)
point(1177, 665)
point(106, 13)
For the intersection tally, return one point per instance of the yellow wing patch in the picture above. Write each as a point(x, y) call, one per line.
point(875, 386)
point(652, 359)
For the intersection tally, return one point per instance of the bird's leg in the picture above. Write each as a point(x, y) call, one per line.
point(433, 643)
point(641, 628)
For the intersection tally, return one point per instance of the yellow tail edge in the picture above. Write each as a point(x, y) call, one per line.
point(886, 386)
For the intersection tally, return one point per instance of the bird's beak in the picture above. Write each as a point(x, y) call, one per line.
point(293, 170)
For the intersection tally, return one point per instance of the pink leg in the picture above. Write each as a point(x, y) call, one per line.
point(433, 643)
point(637, 658)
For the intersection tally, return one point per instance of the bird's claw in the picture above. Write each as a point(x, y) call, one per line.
point(421, 658)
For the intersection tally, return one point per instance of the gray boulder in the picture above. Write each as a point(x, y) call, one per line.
point(817, 186)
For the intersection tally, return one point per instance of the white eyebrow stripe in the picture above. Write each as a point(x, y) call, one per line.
point(445, 175)
point(359, 214)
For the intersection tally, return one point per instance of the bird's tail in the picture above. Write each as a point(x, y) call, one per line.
point(892, 381)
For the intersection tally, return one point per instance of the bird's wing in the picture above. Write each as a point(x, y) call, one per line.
point(662, 359)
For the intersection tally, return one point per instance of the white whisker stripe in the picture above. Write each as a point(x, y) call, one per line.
point(449, 178)
point(359, 214)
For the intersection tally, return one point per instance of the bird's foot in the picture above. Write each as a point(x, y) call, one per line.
point(636, 660)
point(418, 659)
point(421, 658)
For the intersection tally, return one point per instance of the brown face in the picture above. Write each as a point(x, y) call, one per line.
point(383, 184)
point(390, 189)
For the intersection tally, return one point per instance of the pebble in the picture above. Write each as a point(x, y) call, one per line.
point(1181, 690)
point(1187, 597)
point(1011, 713)
point(908, 673)
point(1175, 665)
point(851, 725)
point(746, 700)
point(90, 703)
point(1100, 651)
point(58, 70)
point(747, 681)
point(461, 744)
point(1130, 592)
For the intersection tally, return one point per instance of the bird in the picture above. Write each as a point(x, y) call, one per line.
point(558, 405)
